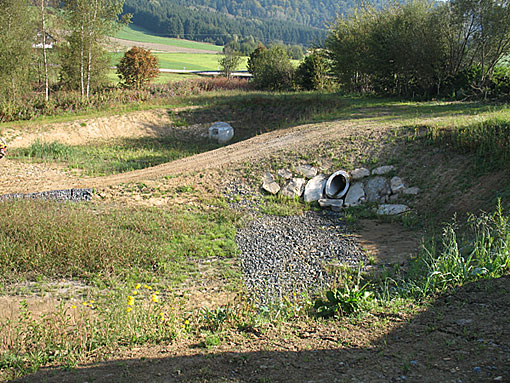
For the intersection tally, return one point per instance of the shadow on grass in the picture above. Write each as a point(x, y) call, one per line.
point(256, 113)
point(462, 337)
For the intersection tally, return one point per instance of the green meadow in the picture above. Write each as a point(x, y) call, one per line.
point(135, 33)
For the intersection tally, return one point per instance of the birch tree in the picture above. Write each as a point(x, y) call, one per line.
point(89, 23)
point(15, 48)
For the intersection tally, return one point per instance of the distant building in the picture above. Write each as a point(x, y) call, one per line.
point(50, 41)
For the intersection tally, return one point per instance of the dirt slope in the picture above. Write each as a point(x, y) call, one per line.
point(18, 177)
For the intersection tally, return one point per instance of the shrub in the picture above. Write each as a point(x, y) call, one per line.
point(137, 68)
point(271, 68)
point(312, 73)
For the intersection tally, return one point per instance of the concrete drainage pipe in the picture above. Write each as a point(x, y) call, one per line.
point(337, 185)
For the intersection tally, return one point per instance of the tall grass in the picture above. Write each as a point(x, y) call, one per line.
point(483, 251)
point(65, 240)
point(489, 140)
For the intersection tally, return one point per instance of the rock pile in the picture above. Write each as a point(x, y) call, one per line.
point(342, 189)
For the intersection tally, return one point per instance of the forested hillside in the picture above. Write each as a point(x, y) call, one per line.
point(217, 21)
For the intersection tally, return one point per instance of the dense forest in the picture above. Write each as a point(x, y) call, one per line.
point(218, 21)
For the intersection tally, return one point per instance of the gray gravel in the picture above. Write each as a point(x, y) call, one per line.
point(74, 195)
point(285, 255)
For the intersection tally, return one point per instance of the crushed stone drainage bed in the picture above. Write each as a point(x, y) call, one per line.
point(74, 195)
point(285, 255)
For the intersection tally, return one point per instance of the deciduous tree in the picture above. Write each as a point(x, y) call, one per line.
point(137, 68)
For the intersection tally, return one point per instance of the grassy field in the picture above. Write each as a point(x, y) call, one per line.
point(135, 33)
point(163, 78)
point(142, 264)
point(187, 61)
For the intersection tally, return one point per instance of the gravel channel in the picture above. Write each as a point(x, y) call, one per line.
point(285, 255)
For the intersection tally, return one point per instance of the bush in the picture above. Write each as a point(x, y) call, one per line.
point(312, 73)
point(137, 68)
point(271, 68)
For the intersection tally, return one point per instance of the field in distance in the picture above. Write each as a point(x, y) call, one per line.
point(134, 35)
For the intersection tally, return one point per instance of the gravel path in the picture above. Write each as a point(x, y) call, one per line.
point(285, 255)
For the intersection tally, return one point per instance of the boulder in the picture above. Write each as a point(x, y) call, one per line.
point(355, 195)
point(315, 188)
point(389, 209)
point(411, 191)
point(359, 173)
point(285, 174)
point(307, 171)
point(381, 170)
point(333, 204)
point(377, 189)
point(397, 185)
point(269, 184)
point(221, 132)
point(294, 187)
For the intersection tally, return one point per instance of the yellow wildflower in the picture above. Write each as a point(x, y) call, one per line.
point(73, 306)
point(138, 286)
point(84, 303)
point(155, 298)
point(135, 292)
point(186, 322)
point(91, 302)
point(131, 300)
point(129, 309)
point(156, 292)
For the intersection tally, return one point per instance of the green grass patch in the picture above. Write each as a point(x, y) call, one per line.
point(282, 206)
point(136, 33)
point(185, 61)
point(113, 157)
point(66, 240)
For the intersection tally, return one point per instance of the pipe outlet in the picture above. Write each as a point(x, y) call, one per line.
point(337, 185)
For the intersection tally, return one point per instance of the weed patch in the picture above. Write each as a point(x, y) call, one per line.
point(112, 158)
point(62, 240)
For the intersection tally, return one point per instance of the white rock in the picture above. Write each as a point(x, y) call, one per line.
point(381, 170)
point(355, 195)
point(389, 209)
point(285, 174)
point(221, 132)
point(377, 189)
point(269, 184)
point(334, 204)
point(397, 185)
point(307, 171)
point(411, 191)
point(315, 188)
point(359, 173)
point(294, 187)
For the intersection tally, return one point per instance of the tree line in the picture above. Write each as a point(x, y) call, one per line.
point(203, 22)
point(423, 49)
point(27, 27)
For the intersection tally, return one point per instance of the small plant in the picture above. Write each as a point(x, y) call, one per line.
point(342, 301)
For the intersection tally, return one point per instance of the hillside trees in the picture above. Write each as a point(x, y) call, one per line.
point(15, 48)
point(84, 60)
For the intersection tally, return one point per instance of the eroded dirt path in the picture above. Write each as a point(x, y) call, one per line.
point(16, 177)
